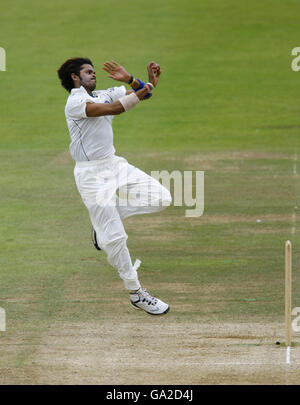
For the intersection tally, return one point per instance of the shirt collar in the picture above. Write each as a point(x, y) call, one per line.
point(78, 90)
point(82, 89)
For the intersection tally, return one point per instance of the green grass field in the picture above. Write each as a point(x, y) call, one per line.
point(227, 103)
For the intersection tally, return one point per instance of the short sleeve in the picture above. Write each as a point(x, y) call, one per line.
point(76, 106)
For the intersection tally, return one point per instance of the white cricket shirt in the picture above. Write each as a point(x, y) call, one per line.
point(91, 137)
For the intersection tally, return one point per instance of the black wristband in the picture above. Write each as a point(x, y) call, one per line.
point(131, 80)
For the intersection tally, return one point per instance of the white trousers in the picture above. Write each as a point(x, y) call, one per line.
point(112, 190)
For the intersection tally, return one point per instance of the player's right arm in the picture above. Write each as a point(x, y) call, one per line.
point(115, 108)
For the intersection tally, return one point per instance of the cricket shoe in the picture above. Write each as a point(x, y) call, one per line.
point(94, 239)
point(141, 299)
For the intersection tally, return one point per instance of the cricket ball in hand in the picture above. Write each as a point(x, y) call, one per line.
point(155, 66)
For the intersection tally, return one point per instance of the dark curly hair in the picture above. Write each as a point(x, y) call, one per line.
point(72, 65)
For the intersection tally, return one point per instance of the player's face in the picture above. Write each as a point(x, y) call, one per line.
point(88, 77)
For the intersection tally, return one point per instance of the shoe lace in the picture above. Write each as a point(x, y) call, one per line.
point(146, 297)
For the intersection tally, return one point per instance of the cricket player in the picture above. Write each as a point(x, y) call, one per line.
point(111, 188)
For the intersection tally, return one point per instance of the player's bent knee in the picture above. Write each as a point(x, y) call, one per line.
point(113, 244)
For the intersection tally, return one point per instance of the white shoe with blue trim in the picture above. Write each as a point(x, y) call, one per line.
point(141, 299)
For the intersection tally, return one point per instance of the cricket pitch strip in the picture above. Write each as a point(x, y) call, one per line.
point(156, 351)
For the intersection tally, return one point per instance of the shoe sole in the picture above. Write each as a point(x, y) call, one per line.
point(141, 309)
point(94, 239)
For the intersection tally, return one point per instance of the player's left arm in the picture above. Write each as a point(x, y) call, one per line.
point(118, 72)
